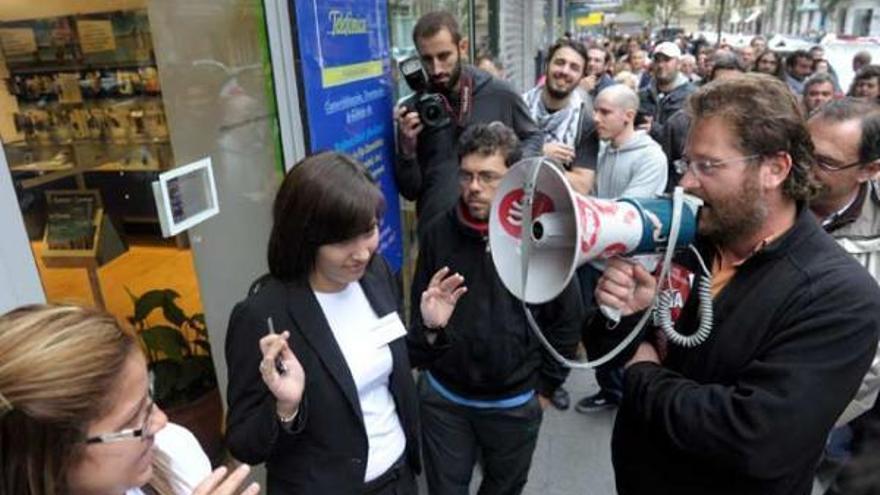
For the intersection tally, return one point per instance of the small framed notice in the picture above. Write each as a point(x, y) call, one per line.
point(96, 36)
point(17, 41)
point(185, 196)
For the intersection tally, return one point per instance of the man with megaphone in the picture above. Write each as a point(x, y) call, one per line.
point(795, 318)
point(485, 377)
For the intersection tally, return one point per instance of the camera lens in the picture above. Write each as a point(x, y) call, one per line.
point(432, 112)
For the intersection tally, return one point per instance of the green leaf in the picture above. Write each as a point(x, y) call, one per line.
point(171, 310)
point(145, 304)
point(165, 339)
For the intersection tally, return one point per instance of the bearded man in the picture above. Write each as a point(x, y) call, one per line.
point(426, 168)
point(795, 317)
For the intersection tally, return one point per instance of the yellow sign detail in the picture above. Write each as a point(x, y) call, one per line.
point(593, 19)
point(344, 74)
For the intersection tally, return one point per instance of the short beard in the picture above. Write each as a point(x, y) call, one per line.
point(453, 79)
point(666, 81)
point(558, 94)
point(738, 216)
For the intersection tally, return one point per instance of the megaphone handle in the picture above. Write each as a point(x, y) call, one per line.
point(612, 314)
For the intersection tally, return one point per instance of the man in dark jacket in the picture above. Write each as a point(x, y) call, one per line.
point(427, 161)
point(667, 92)
point(485, 377)
point(795, 317)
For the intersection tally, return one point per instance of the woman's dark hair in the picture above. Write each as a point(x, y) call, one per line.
point(325, 198)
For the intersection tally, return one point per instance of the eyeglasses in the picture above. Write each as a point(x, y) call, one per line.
point(483, 178)
point(831, 166)
point(706, 167)
point(128, 433)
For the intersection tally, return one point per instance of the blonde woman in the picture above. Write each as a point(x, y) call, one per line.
point(77, 416)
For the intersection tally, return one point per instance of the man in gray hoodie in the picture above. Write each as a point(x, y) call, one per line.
point(630, 164)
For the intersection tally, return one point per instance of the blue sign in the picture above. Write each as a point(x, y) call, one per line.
point(349, 96)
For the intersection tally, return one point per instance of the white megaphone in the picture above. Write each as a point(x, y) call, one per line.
point(567, 229)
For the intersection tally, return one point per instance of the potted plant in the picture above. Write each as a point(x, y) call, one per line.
point(179, 359)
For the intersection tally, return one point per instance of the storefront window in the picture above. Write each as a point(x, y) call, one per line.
point(98, 98)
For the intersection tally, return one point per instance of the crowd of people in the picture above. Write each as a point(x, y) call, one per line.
point(780, 399)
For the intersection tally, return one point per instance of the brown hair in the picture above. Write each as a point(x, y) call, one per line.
point(577, 46)
point(778, 128)
point(432, 23)
point(56, 365)
point(326, 198)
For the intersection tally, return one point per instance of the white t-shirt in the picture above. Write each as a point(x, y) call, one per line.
point(188, 460)
point(352, 319)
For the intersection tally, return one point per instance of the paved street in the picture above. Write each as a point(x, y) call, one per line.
point(574, 454)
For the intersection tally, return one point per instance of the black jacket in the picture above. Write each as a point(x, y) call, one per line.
point(663, 108)
point(487, 351)
point(749, 410)
point(326, 451)
point(673, 140)
point(430, 179)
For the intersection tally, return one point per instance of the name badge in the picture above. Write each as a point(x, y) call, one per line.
point(389, 329)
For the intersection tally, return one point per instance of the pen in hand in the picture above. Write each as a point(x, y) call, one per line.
point(279, 364)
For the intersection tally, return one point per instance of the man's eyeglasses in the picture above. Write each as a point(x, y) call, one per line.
point(484, 178)
point(832, 166)
point(706, 167)
point(128, 433)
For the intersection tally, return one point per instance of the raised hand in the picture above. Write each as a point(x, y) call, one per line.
point(440, 298)
point(218, 483)
point(287, 387)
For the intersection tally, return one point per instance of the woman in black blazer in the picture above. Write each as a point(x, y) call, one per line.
point(328, 403)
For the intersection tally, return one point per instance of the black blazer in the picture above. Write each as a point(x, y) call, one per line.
point(325, 451)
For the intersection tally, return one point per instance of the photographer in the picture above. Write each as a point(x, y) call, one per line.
point(427, 163)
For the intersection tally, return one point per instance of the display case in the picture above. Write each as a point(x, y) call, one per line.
point(87, 105)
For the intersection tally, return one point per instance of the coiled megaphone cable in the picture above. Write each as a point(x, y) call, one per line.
point(687, 341)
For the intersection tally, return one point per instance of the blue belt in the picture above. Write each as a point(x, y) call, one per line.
point(508, 403)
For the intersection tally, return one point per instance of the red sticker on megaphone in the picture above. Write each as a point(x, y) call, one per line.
point(510, 210)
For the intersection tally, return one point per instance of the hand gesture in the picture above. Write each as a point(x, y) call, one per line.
point(626, 286)
point(217, 483)
point(287, 387)
point(440, 298)
point(410, 125)
point(588, 83)
point(559, 152)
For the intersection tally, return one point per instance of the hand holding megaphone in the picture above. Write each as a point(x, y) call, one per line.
point(626, 286)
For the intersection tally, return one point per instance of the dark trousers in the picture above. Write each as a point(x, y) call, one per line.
point(610, 380)
point(398, 480)
point(454, 435)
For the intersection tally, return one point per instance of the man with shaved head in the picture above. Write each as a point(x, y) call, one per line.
point(630, 164)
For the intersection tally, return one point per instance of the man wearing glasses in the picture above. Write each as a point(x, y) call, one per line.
point(846, 135)
point(485, 378)
point(795, 322)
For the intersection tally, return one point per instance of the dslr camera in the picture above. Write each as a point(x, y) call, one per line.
point(431, 107)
